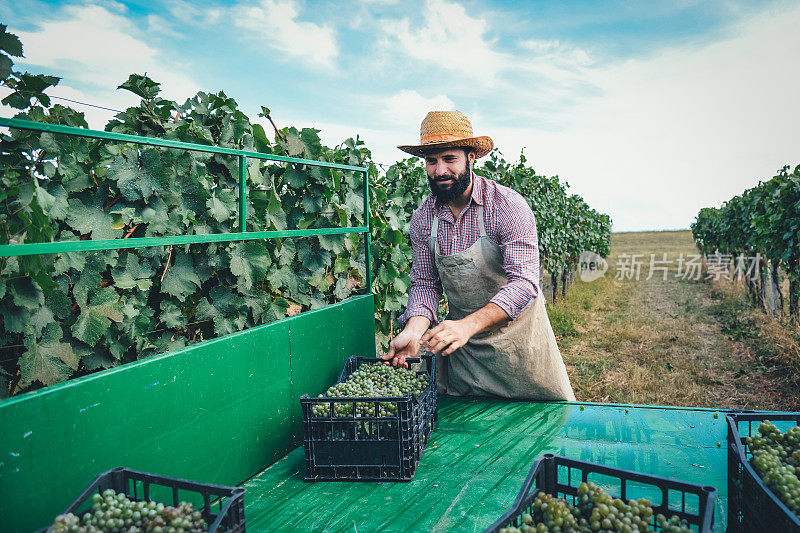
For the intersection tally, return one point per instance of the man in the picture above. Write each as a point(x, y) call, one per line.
point(475, 240)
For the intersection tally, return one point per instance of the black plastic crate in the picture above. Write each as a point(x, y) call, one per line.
point(752, 506)
point(369, 448)
point(560, 476)
point(222, 507)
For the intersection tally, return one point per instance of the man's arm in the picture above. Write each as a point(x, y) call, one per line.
point(426, 287)
point(423, 297)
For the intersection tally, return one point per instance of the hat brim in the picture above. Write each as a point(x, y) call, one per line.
point(482, 145)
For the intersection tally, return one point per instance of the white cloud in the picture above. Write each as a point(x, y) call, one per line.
point(275, 23)
point(194, 13)
point(158, 25)
point(410, 107)
point(100, 48)
point(450, 37)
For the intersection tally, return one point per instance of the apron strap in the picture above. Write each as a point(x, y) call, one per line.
point(481, 224)
point(433, 240)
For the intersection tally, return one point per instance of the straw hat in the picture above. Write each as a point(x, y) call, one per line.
point(447, 129)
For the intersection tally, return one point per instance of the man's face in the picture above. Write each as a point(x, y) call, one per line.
point(449, 173)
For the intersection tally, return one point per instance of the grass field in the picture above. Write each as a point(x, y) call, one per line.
point(672, 341)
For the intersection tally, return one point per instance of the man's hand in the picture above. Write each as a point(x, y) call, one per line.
point(448, 336)
point(406, 343)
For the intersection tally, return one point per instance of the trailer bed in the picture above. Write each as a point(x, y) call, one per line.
point(478, 457)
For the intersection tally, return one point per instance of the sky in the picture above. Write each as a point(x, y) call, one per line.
point(649, 110)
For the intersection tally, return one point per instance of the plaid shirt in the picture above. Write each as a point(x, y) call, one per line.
point(509, 222)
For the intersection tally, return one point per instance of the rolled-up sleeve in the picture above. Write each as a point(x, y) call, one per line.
point(426, 287)
point(520, 247)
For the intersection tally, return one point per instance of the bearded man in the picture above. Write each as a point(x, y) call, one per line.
point(475, 240)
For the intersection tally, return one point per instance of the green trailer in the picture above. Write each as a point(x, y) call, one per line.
point(227, 411)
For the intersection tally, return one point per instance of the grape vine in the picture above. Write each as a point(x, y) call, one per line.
point(764, 221)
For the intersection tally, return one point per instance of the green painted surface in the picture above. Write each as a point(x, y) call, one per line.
point(478, 458)
point(217, 412)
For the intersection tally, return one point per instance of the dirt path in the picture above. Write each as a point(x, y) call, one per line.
point(663, 342)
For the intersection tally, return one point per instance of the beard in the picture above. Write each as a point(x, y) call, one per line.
point(450, 192)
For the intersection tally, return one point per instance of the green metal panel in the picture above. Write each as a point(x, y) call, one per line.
point(218, 411)
point(478, 458)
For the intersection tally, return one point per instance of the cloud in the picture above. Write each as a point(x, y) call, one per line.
point(275, 23)
point(409, 106)
point(449, 37)
point(100, 48)
point(194, 13)
point(158, 25)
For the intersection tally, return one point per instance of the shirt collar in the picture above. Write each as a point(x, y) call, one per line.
point(478, 186)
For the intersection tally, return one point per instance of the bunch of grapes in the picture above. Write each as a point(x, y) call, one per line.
point(116, 513)
point(594, 511)
point(776, 458)
point(371, 380)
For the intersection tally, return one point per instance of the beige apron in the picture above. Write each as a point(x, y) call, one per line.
point(519, 360)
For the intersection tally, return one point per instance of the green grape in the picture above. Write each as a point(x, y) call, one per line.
point(115, 512)
point(593, 510)
point(776, 458)
point(375, 381)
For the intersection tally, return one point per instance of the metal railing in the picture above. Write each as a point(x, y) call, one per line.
point(10, 250)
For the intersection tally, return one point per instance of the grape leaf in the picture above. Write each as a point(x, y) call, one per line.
point(59, 303)
point(249, 262)
point(139, 179)
point(224, 311)
point(88, 278)
point(103, 307)
point(141, 86)
point(279, 278)
point(180, 280)
point(219, 206)
point(133, 274)
point(26, 292)
point(312, 258)
point(90, 217)
point(332, 243)
point(171, 314)
point(275, 310)
point(10, 43)
point(156, 215)
point(287, 252)
point(49, 360)
point(65, 261)
point(14, 318)
point(41, 318)
point(55, 204)
point(295, 178)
